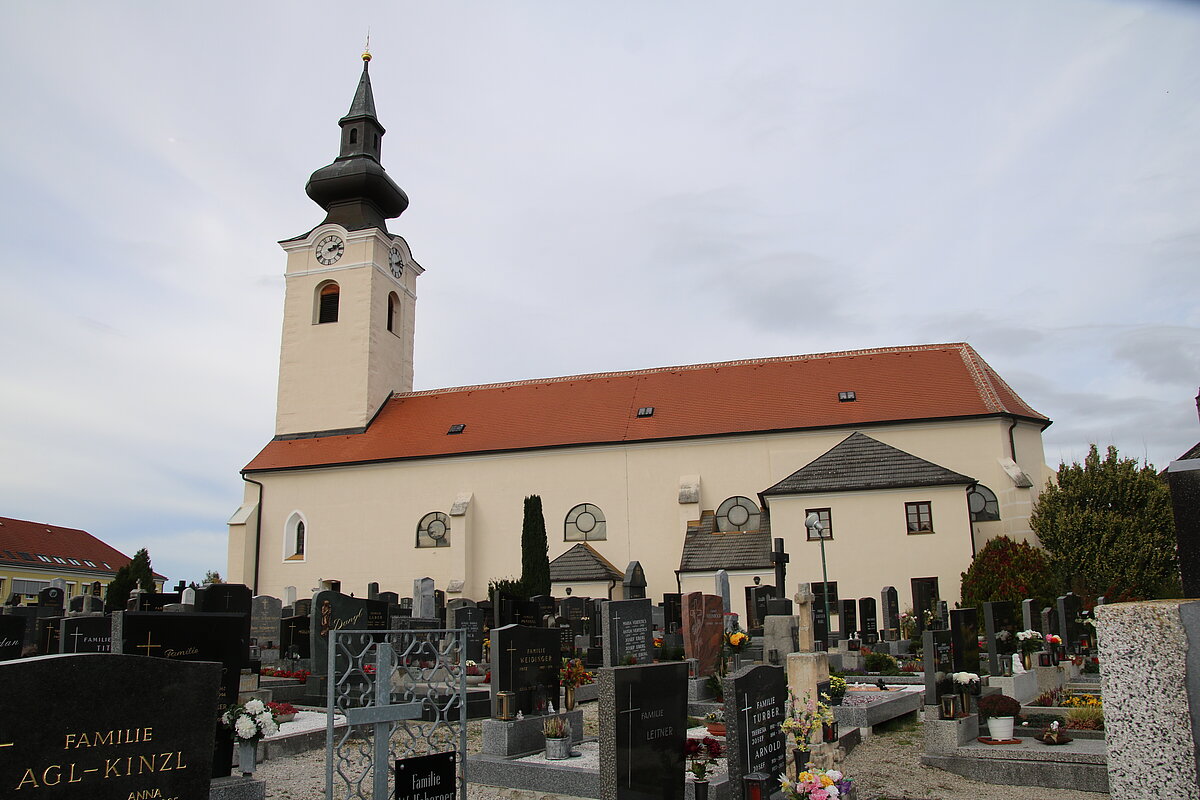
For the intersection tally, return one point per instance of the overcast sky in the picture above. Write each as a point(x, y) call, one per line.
point(594, 187)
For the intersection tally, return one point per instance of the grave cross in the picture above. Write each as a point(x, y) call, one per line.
point(780, 560)
point(75, 644)
point(630, 710)
point(745, 732)
point(147, 646)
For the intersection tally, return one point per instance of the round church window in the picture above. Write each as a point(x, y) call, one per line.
point(737, 514)
point(433, 530)
point(584, 523)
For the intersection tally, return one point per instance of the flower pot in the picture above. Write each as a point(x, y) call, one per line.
point(715, 728)
point(558, 749)
point(1027, 661)
point(836, 701)
point(282, 718)
point(247, 754)
point(701, 790)
point(475, 680)
point(801, 759)
point(569, 698)
point(1000, 727)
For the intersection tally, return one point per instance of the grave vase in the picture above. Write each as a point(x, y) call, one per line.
point(801, 759)
point(247, 754)
point(569, 698)
point(1027, 661)
point(701, 790)
point(558, 749)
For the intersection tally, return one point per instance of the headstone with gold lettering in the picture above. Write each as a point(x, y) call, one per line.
point(526, 660)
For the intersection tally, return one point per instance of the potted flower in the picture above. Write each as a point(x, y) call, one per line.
point(967, 684)
point(1029, 642)
point(572, 675)
point(557, 731)
point(475, 674)
point(735, 643)
point(818, 784)
point(715, 722)
point(249, 722)
point(283, 712)
point(837, 690)
point(1054, 643)
point(701, 753)
point(1000, 710)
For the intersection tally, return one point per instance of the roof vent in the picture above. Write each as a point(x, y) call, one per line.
point(646, 411)
point(456, 428)
point(846, 397)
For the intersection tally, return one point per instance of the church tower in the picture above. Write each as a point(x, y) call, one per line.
point(351, 290)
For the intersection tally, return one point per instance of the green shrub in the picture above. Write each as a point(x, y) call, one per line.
point(1008, 570)
point(882, 663)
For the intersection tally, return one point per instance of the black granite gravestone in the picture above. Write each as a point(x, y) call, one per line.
point(337, 611)
point(471, 619)
point(545, 606)
point(574, 609)
point(47, 633)
point(848, 624)
point(108, 727)
point(1000, 629)
point(939, 664)
point(634, 582)
point(293, 637)
point(526, 660)
point(643, 726)
point(52, 598)
point(890, 601)
point(964, 635)
point(85, 635)
point(925, 596)
point(755, 703)
point(391, 598)
point(627, 631)
point(1070, 625)
point(225, 598)
point(156, 601)
point(868, 621)
point(1031, 620)
point(190, 636)
point(12, 636)
point(672, 604)
point(566, 638)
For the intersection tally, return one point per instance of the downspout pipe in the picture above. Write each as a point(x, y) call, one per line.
point(257, 528)
point(1012, 442)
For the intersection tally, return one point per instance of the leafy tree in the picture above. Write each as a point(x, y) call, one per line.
point(508, 586)
point(212, 576)
point(116, 596)
point(535, 551)
point(1008, 570)
point(1107, 528)
point(140, 570)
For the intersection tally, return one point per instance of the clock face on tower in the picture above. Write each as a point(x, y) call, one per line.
point(330, 249)
point(396, 262)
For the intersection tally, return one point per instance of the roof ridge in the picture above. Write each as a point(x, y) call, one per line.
point(913, 348)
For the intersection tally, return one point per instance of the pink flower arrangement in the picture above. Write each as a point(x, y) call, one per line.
point(816, 784)
point(1053, 639)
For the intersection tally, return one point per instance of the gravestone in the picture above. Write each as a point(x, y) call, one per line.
point(336, 611)
point(627, 631)
point(924, 595)
point(868, 621)
point(820, 625)
point(265, 614)
point(293, 637)
point(85, 604)
point(1183, 478)
point(423, 603)
point(804, 619)
point(391, 598)
point(722, 590)
point(225, 598)
point(634, 582)
point(566, 638)
point(703, 631)
point(191, 636)
point(756, 607)
point(890, 601)
point(575, 610)
point(756, 700)
point(1031, 620)
point(1000, 629)
point(849, 619)
point(939, 663)
point(373, 591)
point(12, 636)
point(47, 635)
point(1069, 627)
point(85, 635)
point(471, 619)
point(643, 724)
point(526, 660)
point(155, 601)
point(303, 607)
point(52, 599)
point(964, 636)
point(545, 607)
point(115, 727)
point(439, 606)
point(1050, 622)
point(672, 605)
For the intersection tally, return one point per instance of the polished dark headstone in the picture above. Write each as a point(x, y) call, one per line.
point(848, 622)
point(1183, 476)
point(939, 664)
point(925, 597)
point(890, 601)
point(634, 582)
point(471, 619)
point(1070, 624)
point(47, 633)
point(336, 611)
point(755, 703)
point(643, 725)
point(109, 727)
point(868, 621)
point(51, 597)
point(672, 605)
point(293, 633)
point(265, 613)
point(1000, 629)
point(526, 660)
point(964, 635)
point(12, 636)
point(627, 631)
point(85, 635)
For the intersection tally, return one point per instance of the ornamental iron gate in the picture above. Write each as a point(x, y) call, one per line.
point(402, 694)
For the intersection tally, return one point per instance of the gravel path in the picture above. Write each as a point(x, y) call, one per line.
point(886, 764)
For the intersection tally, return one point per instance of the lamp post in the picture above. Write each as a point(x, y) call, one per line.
point(813, 523)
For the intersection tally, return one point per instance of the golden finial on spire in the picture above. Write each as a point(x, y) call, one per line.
point(366, 56)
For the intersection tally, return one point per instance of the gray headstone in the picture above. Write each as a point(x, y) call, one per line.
point(265, 613)
point(722, 590)
point(627, 631)
point(1030, 618)
point(423, 603)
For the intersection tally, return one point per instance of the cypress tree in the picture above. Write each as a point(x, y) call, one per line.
point(535, 550)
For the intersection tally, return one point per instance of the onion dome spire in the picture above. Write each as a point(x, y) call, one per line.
point(355, 190)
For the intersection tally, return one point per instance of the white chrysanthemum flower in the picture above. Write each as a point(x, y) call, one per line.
point(245, 728)
point(834, 775)
point(255, 706)
point(226, 719)
point(267, 725)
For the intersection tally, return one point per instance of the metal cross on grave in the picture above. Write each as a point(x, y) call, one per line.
point(745, 731)
point(630, 710)
point(780, 560)
point(148, 646)
point(75, 644)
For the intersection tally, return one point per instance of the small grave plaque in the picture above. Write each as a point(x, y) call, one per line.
point(93, 726)
point(642, 729)
point(430, 777)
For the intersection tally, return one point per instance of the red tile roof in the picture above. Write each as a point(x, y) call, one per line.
point(770, 394)
point(26, 544)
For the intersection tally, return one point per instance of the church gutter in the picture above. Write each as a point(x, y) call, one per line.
point(257, 527)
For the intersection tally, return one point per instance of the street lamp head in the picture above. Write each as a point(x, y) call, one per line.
point(813, 522)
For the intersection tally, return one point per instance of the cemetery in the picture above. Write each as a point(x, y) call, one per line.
point(583, 697)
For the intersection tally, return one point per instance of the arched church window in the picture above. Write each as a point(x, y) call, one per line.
point(585, 523)
point(982, 503)
point(328, 295)
point(433, 530)
point(354, 136)
point(295, 537)
point(393, 311)
point(737, 514)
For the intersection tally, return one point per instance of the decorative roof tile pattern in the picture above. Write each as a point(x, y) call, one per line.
point(860, 462)
point(36, 545)
point(764, 395)
point(582, 563)
point(705, 549)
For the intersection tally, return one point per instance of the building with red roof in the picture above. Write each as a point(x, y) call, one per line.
point(912, 456)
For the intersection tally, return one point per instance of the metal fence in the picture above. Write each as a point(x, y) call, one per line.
point(402, 693)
